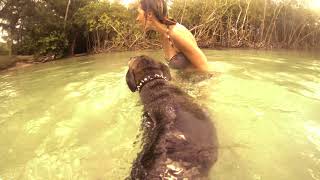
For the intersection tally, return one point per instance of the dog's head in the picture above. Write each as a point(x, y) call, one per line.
point(143, 66)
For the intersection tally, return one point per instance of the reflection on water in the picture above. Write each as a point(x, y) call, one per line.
point(313, 134)
point(76, 119)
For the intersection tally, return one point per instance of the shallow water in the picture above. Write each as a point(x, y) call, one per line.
point(76, 118)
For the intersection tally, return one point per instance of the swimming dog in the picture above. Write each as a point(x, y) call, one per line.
point(179, 138)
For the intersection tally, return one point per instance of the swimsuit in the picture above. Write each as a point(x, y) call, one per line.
point(179, 60)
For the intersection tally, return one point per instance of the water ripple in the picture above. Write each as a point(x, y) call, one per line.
point(313, 133)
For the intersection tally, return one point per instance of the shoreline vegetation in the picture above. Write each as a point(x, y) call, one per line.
point(42, 31)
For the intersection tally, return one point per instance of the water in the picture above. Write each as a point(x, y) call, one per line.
point(76, 118)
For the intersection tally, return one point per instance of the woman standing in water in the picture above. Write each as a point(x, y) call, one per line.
point(180, 47)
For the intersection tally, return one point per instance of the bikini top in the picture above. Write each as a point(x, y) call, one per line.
point(179, 60)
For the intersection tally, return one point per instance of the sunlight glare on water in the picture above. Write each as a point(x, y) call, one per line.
point(77, 119)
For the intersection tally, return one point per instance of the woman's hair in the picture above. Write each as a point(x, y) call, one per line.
point(159, 9)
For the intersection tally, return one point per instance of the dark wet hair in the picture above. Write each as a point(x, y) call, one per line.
point(159, 9)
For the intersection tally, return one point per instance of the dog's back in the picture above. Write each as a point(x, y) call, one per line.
point(179, 137)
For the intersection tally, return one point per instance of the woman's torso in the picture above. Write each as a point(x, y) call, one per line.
point(176, 59)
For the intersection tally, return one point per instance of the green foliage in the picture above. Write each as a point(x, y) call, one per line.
point(55, 44)
point(26, 47)
point(249, 23)
point(39, 27)
point(4, 49)
point(108, 24)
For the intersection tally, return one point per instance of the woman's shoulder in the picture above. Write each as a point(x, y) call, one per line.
point(180, 32)
point(179, 28)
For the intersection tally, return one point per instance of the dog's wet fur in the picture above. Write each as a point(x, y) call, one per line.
point(179, 138)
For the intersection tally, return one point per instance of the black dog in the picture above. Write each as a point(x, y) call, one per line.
point(179, 139)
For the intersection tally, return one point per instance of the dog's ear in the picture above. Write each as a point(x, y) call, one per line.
point(130, 81)
point(165, 70)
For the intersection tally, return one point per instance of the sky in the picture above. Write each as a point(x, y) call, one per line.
point(314, 4)
point(126, 2)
